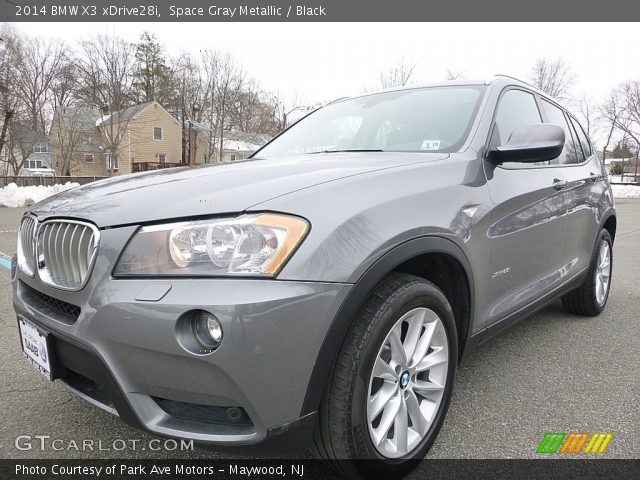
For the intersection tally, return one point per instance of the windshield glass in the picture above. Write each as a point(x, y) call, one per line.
point(433, 119)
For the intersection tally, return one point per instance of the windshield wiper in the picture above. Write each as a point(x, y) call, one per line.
point(351, 150)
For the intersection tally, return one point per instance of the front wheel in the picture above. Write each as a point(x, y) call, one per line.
point(591, 297)
point(390, 390)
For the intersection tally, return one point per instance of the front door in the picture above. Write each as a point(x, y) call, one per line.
point(528, 223)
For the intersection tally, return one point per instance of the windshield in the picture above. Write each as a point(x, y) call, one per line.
point(433, 119)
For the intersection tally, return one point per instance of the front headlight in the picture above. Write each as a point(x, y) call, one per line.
point(258, 244)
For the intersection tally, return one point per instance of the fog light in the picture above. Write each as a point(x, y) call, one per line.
point(207, 329)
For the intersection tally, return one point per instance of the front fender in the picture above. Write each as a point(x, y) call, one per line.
point(355, 299)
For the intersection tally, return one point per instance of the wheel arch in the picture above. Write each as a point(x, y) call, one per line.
point(610, 223)
point(400, 259)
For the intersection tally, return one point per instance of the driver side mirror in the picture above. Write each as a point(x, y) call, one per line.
point(530, 144)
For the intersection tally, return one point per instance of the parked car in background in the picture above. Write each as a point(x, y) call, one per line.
point(324, 292)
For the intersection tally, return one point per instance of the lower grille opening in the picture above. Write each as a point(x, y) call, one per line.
point(193, 412)
point(87, 387)
point(52, 307)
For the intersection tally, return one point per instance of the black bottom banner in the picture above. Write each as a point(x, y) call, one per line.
point(314, 469)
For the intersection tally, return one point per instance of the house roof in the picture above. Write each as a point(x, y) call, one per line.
point(244, 142)
point(29, 135)
point(81, 118)
point(124, 115)
point(86, 119)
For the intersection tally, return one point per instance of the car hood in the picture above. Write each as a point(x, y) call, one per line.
point(211, 189)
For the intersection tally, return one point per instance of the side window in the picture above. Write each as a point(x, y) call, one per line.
point(516, 108)
point(582, 138)
point(556, 116)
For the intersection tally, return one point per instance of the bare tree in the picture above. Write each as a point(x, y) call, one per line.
point(253, 111)
point(64, 87)
point(610, 111)
point(454, 74)
point(229, 87)
point(68, 130)
point(398, 75)
point(629, 121)
point(223, 84)
point(10, 100)
point(187, 95)
point(107, 84)
point(38, 64)
point(21, 144)
point(553, 77)
point(588, 110)
point(288, 109)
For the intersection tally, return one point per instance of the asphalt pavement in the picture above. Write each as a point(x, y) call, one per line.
point(552, 372)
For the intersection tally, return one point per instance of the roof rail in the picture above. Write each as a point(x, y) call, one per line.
point(336, 100)
point(514, 78)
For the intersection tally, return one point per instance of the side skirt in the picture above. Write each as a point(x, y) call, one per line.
point(494, 329)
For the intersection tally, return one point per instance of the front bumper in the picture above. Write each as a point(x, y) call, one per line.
point(120, 350)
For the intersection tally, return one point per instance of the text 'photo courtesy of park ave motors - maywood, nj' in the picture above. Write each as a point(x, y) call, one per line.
point(272, 240)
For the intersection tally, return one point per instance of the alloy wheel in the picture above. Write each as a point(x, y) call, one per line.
point(603, 272)
point(407, 383)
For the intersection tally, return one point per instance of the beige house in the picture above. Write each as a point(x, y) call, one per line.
point(139, 138)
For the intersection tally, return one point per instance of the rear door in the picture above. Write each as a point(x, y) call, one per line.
point(585, 190)
point(527, 222)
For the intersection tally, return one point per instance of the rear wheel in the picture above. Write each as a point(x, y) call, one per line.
point(591, 297)
point(388, 395)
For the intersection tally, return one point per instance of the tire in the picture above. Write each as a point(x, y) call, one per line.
point(344, 432)
point(587, 299)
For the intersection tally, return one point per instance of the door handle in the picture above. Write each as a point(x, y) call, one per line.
point(559, 184)
point(593, 177)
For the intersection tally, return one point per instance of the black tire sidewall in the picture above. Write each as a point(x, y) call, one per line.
point(418, 294)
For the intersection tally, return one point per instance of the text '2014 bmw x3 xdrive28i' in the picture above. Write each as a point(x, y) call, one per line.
point(326, 288)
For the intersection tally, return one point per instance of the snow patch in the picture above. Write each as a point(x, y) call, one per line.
point(14, 196)
point(626, 191)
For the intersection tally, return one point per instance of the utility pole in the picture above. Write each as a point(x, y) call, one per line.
point(193, 136)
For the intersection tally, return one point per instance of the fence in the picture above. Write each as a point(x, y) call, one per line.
point(46, 181)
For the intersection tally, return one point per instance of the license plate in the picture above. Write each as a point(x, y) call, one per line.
point(35, 347)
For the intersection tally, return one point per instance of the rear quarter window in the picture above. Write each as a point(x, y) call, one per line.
point(571, 153)
point(582, 138)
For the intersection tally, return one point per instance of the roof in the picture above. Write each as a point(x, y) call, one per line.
point(86, 119)
point(244, 142)
point(81, 118)
point(123, 115)
point(28, 135)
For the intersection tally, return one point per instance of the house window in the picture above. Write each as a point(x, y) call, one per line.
point(162, 157)
point(157, 133)
point(112, 161)
point(233, 157)
point(88, 158)
point(40, 149)
point(34, 163)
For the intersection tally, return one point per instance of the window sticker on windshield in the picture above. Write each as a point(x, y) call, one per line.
point(430, 145)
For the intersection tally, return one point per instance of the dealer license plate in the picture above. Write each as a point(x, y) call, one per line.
point(35, 347)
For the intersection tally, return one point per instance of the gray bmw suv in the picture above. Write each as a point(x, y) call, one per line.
point(322, 292)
